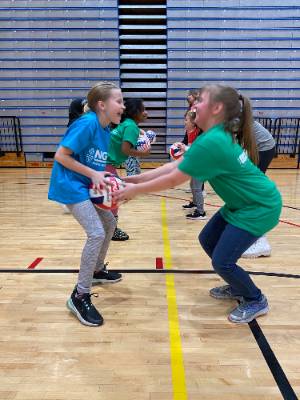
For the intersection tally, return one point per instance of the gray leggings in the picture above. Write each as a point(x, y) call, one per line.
point(196, 188)
point(99, 226)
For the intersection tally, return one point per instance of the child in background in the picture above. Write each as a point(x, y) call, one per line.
point(197, 202)
point(79, 161)
point(191, 99)
point(132, 164)
point(123, 141)
point(76, 109)
point(252, 201)
point(266, 151)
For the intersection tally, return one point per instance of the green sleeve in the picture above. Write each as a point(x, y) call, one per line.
point(200, 162)
point(131, 134)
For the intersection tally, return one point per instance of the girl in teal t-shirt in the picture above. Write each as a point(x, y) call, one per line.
point(80, 161)
point(252, 201)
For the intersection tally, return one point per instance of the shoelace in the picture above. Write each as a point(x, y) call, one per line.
point(245, 306)
point(104, 268)
point(86, 300)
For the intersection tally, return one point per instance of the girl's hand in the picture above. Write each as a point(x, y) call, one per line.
point(146, 149)
point(99, 180)
point(181, 146)
point(127, 193)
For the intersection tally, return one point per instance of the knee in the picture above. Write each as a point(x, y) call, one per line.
point(203, 241)
point(113, 223)
point(220, 265)
point(96, 235)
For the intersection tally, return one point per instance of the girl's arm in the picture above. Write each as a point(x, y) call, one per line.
point(168, 180)
point(63, 156)
point(152, 174)
point(127, 149)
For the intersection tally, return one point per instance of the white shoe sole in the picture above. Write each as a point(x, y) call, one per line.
point(246, 321)
point(73, 309)
point(105, 281)
point(196, 219)
point(256, 255)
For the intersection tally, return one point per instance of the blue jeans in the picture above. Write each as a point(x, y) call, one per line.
point(224, 244)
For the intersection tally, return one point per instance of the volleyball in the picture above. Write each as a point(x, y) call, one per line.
point(175, 152)
point(103, 199)
point(142, 142)
point(151, 135)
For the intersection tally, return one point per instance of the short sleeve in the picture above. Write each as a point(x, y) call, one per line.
point(131, 134)
point(79, 135)
point(200, 162)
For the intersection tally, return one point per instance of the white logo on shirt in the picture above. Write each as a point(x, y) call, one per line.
point(90, 155)
point(243, 157)
point(96, 156)
point(100, 155)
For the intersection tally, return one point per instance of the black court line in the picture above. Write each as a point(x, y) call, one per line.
point(28, 183)
point(273, 364)
point(145, 271)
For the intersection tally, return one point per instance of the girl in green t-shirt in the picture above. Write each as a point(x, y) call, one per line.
point(224, 155)
point(124, 138)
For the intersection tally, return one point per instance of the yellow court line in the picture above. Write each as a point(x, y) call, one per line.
point(177, 365)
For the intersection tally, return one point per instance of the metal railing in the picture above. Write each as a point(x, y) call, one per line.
point(10, 135)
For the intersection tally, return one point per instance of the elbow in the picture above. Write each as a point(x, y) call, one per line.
point(57, 157)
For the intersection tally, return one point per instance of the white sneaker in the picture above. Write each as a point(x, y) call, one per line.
point(261, 248)
point(65, 209)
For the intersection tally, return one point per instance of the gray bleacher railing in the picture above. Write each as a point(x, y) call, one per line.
point(10, 135)
point(50, 53)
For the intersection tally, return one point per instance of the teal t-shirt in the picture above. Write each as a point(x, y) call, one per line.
point(89, 142)
point(126, 131)
point(252, 200)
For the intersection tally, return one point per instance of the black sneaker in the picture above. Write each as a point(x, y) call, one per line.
point(189, 206)
point(105, 276)
point(119, 235)
point(197, 215)
point(84, 310)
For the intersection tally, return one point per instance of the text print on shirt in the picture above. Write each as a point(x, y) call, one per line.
point(96, 156)
point(243, 157)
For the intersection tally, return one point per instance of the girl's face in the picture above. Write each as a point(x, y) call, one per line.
point(189, 124)
point(112, 108)
point(142, 116)
point(204, 111)
point(191, 99)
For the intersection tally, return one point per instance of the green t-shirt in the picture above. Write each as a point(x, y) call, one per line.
point(126, 131)
point(252, 200)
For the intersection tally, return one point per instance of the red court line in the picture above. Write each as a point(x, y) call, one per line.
point(289, 223)
point(215, 205)
point(159, 263)
point(35, 263)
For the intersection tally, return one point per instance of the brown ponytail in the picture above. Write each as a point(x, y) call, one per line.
point(238, 119)
point(244, 135)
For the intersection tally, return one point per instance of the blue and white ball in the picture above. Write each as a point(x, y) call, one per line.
point(103, 199)
point(151, 135)
point(142, 142)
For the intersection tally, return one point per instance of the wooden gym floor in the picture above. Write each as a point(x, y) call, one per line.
point(164, 338)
